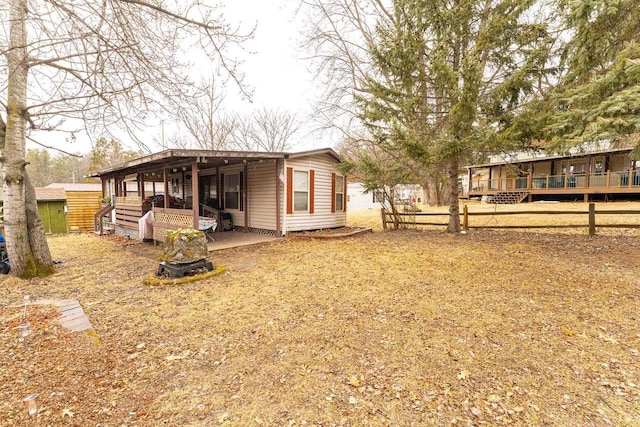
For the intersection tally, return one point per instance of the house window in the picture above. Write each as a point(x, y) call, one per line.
point(300, 191)
point(378, 196)
point(339, 193)
point(232, 191)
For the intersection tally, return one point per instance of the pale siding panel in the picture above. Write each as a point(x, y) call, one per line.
point(324, 166)
point(261, 188)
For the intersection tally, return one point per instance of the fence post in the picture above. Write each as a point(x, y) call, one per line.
point(592, 219)
point(384, 219)
point(465, 218)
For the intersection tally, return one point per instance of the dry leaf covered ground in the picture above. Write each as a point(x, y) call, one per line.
point(385, 328)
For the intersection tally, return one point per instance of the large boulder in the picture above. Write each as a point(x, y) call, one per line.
point(185, 245)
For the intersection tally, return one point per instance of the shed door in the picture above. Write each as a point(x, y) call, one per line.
point(53, 217)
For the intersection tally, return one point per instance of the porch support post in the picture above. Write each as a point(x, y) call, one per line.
point(278, 204)
point(245, 195)
point(195, 194)
point(587, 172)
point(166, 188)
point(141, 185)
point(469, 179)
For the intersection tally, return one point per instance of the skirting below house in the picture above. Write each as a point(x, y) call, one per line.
point(260, 231)
point(132, 233)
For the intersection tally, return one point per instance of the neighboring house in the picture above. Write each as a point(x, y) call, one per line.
point(266, 193)
point(593, 173)
point(83, 201)
point(52, 208)
point(357, 200)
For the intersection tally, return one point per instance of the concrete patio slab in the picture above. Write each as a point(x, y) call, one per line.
point(235, 239)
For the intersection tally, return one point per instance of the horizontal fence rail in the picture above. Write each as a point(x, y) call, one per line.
point(416, 218)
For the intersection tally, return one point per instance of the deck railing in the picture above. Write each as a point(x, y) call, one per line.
point(605, 180)
point(98, 219)
point(128, 214)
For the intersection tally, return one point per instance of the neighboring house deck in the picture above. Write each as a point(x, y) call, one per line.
point(265, 193)
point(602, 174)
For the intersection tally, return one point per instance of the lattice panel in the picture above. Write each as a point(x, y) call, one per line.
point(262, 231)
point(164, 221)
point(179, 220)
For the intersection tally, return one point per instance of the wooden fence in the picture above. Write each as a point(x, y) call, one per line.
point(423, 218)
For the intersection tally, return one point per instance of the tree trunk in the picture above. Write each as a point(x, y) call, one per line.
point(22, 243)
point(37, 238)
point(454, 207)
point(431, 187)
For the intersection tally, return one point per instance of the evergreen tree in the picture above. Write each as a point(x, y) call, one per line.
point(447, 77)
point(598, 96)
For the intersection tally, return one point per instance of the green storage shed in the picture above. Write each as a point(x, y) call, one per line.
point(52, 207)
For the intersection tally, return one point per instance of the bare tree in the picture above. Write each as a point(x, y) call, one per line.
point(203, 119)
point(340, 35)
point(265, 130)
point(108, 65)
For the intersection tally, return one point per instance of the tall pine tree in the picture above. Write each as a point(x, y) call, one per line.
point(598, 96)
point(448, 74)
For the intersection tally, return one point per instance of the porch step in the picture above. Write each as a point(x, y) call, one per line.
point(508, 197)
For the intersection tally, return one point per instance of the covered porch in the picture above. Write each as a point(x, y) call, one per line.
point(182, 187)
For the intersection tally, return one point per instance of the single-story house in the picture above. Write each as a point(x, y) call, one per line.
point(52, 208)
point(589, 173)
point(358, 200)
point(266, 193)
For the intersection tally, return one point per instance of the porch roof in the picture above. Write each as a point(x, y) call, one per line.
point(206, 158)
point(551, 157)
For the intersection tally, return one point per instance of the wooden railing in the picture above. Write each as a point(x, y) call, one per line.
point(606, 180)
point(127, 215)
point(128, 200)
point(98, 223)
point(422, 218)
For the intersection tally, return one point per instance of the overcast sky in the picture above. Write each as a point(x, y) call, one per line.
point(277, 73)
point(273, 69)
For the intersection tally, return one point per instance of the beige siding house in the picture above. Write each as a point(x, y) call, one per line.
point(266, 193)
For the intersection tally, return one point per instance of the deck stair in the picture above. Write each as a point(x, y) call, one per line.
point(508, 197)
point(101, 224)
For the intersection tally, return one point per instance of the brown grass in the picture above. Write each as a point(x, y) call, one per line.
point(386, 328)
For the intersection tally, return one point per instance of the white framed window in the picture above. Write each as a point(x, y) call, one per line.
point(339, 193)
point(232, 191)
point(300, 191)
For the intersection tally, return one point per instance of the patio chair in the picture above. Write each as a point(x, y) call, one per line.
point(207, 225)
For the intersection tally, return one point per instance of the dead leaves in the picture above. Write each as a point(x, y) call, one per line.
point(379, 329)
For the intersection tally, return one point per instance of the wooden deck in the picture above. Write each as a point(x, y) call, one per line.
point(624, 182)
